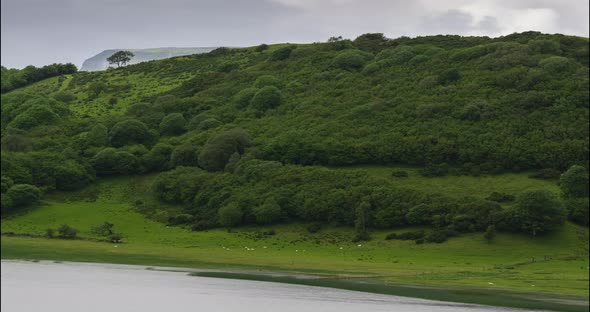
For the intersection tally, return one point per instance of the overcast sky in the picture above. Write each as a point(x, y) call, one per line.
point(41, 32)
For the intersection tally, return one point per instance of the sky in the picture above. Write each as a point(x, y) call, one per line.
point(41, 32)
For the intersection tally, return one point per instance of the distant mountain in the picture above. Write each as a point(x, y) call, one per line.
point(98, 62)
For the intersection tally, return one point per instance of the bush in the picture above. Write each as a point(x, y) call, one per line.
point(314, 227)
point(243, 98)
point(546, 174)
point(110, 161)
point(115, 238)
point(537, 212)
point(500, 197)
point(261, 48)
point(67, 232)
point(281, 54)
point(104, 229)
point(173, 124)
point(448, 76)
point(351, 59)
point(399, 174)
point(577, 210)
point(6, 183)
point(267, 213)
point(182, 218)
point(406, 235)
point(23, 194)
point(436, 236)
point(128, 132)
point(50, 233)
point(266, 98)
point(218, 150)
point(267, 80)
point(574, 182)
point(361, 236)
point(230, 215)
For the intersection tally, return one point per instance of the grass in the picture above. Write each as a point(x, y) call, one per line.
point(466, 262)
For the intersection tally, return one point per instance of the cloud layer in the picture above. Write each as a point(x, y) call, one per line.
point(40, 32)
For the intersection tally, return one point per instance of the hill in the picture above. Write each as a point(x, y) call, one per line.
point(98, 62)
point(444, 144)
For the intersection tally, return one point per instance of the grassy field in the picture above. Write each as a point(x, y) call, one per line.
point(560, 267)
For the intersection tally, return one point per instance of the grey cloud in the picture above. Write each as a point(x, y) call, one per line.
point(39, 32)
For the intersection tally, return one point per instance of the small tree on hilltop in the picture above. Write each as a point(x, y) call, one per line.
point(120, 58)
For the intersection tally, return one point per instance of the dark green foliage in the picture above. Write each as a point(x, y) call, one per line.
point(173, 124)
point(546, 174)
point(183, 155)
point(281, 54)
point(537, 212)
point(111, 161)
point(351, 59)
point(500, 197)
point(243, 98)
point(406, 235)
point(230, 215)
point(129, 131)
point(179, 185)
point(437, 236)
point(490, 233)
point(267, 213)
point(6, 183)
point(67, 232)
point(574, 182)
point(448, 76)
point(399, 174)
point(138, 109)
point(261, 47)
point(23, 195)
point(266, 98)
point(158, 158)
point(314, 227)
point(578, 210)
point(105, 229)
point(219, 149)
point(267, 80)
point(15, 78)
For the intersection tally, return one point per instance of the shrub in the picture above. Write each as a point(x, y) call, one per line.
point(281, 54)
point(490, 233)
point(230, 215)
point(361, 236)
point(128, 132)
point(546, 174)
point(104, 229)
point(577, 210)
point(261, 47)
point(399, 174)
point(50, 233)
point(448, 76)
point(243, 98)
point(314, 227)
point(266, 98)
point(115, 238)
point(110, 161)
point(574, 182)
point(537, 212)
point(182, 218)
point(173, 124)
point(267, 213)
point(351, 59)
point(267, 80)
point(436, 236)
point(67, 232)
point(218, 150)
point(6, 183)
point(23, 194)
point(500, 197)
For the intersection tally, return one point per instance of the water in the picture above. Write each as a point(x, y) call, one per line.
point(75, 287)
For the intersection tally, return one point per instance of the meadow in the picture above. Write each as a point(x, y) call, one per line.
point(468, 262)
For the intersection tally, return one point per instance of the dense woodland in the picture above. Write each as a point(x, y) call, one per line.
point(243, 136)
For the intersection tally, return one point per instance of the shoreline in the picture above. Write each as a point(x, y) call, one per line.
point(471, 295)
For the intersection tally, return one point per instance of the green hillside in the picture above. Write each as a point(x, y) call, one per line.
point(468, 153)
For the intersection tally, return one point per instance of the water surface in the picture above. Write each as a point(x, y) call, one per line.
point(74, 287)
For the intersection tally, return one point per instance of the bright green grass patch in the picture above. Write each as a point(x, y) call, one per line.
point(461, 186)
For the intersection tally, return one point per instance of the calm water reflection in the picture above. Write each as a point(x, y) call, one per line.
point(75, 287)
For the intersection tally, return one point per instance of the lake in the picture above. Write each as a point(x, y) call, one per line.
point(64, 287)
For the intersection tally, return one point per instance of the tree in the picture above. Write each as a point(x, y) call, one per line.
point(351, 59)
point(67, 232)
point(537, 212)
point(578, 210)
point(360, 222)
point(574, 182)
point(218, 150)
point(490, 233)
point(173, 124)
point(129, 131)
point(230, 215)
point(267, 213)
point(266, 98)
point(23, 194)
point(120, 58)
